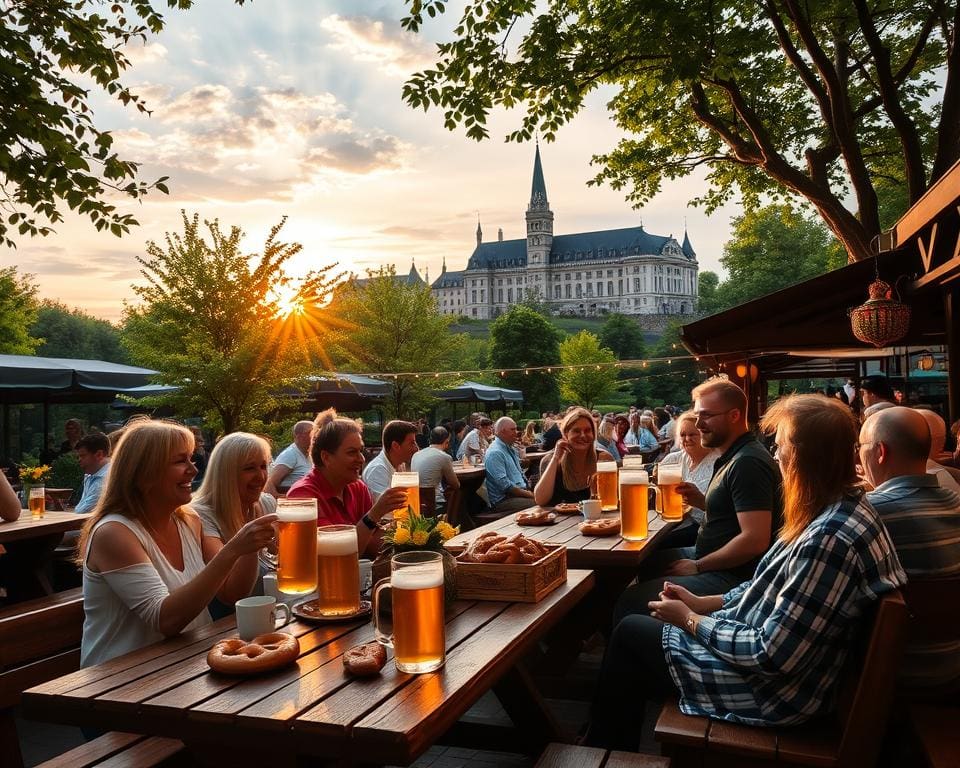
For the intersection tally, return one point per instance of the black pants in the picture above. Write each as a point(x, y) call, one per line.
point(634, 671)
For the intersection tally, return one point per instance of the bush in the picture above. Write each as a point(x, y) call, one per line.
point(65, 472)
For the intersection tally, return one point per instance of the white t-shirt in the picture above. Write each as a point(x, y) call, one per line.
point(945, 479)
point(293, 459)
point(377, 474)
point(473, 443)
point(210, 524)
point(433, 466)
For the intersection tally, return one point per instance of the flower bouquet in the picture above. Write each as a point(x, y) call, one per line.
point(415, 532)
point(34, 475)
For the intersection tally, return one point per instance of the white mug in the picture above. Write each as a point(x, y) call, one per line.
point(591, 509)
point(258, 616)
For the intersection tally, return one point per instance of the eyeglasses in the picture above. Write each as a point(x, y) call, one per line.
point(706, 415)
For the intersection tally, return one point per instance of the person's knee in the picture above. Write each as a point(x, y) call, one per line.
point(635, 599)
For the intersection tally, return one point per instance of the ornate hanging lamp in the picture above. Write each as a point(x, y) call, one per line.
point(882, 319)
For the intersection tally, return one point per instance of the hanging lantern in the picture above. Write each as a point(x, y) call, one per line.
point(926, 362)
point(882, 319)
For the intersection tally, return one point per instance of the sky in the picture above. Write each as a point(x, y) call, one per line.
point(293, 108)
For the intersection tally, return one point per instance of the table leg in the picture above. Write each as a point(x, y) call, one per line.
point(534, 722)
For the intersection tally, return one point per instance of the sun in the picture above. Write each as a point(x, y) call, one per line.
point(287, 301)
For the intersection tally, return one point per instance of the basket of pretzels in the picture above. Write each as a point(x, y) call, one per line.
point(510, 567)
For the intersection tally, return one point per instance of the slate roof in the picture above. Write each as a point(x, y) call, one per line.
point(411, 278)
point(449, 280)
point(687, 248)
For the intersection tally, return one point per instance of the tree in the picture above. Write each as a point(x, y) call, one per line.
point(521, 338)
point(622, 335)
point(393, 326)
point(827, 101)
point(51, 152)
point(707, 283)
point(587, 384)
point(668, 383)
point(73, 333)
point(210, 321)
point(18, 310)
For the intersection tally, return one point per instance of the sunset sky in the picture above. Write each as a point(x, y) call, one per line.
point(294, 108)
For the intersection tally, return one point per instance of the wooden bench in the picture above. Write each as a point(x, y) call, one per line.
point(40, 641)
point(850, 738)
point(570, 756)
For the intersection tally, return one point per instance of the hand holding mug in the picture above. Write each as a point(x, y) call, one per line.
point(692, 496)
point(254, 536)
point(389, 500)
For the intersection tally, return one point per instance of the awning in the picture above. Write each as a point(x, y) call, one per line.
point(472, 392)
point(28, 379)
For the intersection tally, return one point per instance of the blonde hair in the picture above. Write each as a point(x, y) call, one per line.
point(685, 416)
point(529, 433)
point(572, 416)
point(219, 491)
point(144, 450)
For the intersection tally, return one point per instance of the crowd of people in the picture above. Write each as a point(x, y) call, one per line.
point(744, 613)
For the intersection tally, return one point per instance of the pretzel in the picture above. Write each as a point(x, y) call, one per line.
point(535, 517)
point(609, 526)
point(567, 508)
point(495, 548)
point(365, 660)
point(262, 654)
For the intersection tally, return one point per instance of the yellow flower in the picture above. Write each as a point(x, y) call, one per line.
point(446, 530)
point(420, 538)
point(401, 536)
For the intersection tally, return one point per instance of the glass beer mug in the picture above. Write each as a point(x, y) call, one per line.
point(338, 571)
point(416, 585)
point(633, 504)
point(296, 557)
point(669, 502)
point(606, 479)
point(410, 482)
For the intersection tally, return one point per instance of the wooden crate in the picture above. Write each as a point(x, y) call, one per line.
point(519, 583)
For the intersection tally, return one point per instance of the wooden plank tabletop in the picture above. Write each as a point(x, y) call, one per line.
point(52, 522)
point(595, 552)
point(313, 707)
point(469, 473)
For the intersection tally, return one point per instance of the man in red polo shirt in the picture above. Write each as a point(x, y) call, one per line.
point(336, 449)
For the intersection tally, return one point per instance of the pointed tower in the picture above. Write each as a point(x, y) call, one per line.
point(443, 269)
point(539, 219)
point(479, 233)
point(687, 248)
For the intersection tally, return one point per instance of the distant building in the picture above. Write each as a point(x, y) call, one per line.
point(591, 273)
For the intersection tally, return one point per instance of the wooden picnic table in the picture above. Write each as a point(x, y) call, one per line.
point(52, 523)
point(29, 546)
point(313, 710)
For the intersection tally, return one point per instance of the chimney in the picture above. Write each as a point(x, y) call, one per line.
point(500, 235)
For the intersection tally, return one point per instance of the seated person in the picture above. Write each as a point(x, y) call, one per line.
point(551, 434)
point(742, 506)
point(293, 462)
point(435, 466)
point(567, 471)
point(9, 502)
point(506, 484)
point(334, 481)
point(143, 572)
point(607, 439)
point(457, 430)
point(923, 519)
point(476, 441)
point(530, 436)
point(769, 651)
point(399, 445)
point(640, 434)
point(93, 455)
point(946, 476)
point(231, 495)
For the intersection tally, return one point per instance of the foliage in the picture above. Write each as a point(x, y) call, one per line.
point(73, 333)
point(622, 335)
point(668, 383)
point(394, 326)
point(521, 338)
point(826, 101)
point(66, 472)
point(707, 283)
point(587, 384)
point(18, 310)
point(415, 533)
point(209, 322)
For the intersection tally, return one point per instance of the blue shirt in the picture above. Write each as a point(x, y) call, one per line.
point(503, 471)
point(92, 488)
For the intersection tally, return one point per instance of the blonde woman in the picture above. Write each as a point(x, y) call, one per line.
point(529, 436)
point(565, 473)
point(231, 496)
point(144, 577)
point(607, 438)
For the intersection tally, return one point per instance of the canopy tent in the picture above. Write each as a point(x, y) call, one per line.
point(472, 392)
point(344, 391)
point(27, 379)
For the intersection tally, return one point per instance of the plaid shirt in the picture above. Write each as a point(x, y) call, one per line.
point(772, 654)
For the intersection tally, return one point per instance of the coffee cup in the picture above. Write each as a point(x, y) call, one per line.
point(258, 616)
point(591, 509)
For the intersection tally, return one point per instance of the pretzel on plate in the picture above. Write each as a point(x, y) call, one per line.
point(608, 526)
point(262, 654)
point(535, 517)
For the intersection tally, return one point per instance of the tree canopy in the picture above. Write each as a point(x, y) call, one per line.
point(586, 385)
point(74, 333)
point(18, 310)
point(622, 336)
point(209, 320)
point(521, 338)
point(835, 101)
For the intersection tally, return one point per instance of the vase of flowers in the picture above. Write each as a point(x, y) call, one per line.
point(417, 533)
point(31, 477)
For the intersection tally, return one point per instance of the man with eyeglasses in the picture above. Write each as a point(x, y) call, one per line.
point(743, 507)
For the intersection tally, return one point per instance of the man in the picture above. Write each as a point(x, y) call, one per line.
point(946, 477)
point(551, 433)
point(923, 520)
point(93, 455)
point(399, 445)
point(743, 506)
point(507, 487)
point(435, 465)
point(293, 462)
point(475, 443)
point(457, 430)
point(875, 389)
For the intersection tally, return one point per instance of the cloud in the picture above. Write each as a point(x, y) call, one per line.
point(383, 43)
point(414, 233)
point(140, 53)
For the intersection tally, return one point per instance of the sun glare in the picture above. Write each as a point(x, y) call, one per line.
point(287, 302)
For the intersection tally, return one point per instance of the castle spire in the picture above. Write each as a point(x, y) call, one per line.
point(444, 269)
point(687, 248)
point(479, 232)
point(538, 190)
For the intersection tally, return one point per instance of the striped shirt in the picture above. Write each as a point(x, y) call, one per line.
point(773, 653)
point(924, 523)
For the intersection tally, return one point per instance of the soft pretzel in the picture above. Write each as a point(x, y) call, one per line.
point(495, 548)
point(535, 517)
point(567, 508)
point(365, 660)
point(604, 527)
point(262, 654)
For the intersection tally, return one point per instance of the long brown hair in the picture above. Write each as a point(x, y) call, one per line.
point(820, 467)
point(566, 463)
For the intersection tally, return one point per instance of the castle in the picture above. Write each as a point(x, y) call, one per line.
point(629, 270)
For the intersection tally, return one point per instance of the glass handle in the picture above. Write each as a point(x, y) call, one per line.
point(285, 610)
point(658, 500)
point(381, 637)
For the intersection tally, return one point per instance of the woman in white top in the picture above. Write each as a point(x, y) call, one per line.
point(143, 572)
point(231, 496)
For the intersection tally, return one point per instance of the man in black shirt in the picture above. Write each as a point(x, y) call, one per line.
point(743, 507)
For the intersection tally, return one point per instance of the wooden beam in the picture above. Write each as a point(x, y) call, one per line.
point(945, 273)
point(951, 303)
point(943, 194)
point(926, 249)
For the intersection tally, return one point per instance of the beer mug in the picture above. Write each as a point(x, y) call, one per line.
point(296, 559)
point(416, 585)
point(410, 482)
point(669, 502)
point(633, 504)
point(606, 481)
point(338, 571)
point(37, 500)
point(633, 462)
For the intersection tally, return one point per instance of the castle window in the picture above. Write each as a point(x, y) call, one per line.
point(556, 291)
point(473, 296)
point(619, 273)
point(483, 296)
point(566, 291)
point(510, 295)
point(566, 276)
point(609, 273)
point(609, 287)
point(636, 285)
point(579, 275)
point(636, 269)
point(619, 287)
point(599, 289)
point(500, 295)
point(499, 281)
point(474, 311)
point(589, 275)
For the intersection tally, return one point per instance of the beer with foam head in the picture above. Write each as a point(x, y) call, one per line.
point(607, 485)
point(338, 570)
point(633, 504)
point(410, 482)
point(37, 501)
point(671, 502)
point(633, 462)
point(297, 546)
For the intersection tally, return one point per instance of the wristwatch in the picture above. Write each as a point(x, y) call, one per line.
point(368, 521)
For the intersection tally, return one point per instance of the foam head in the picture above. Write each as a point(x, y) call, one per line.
point(341, 540)
point(633, 477)
point(606, 466)
point(424, 576)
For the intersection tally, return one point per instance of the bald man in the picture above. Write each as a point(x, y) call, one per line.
point(923, 520)
point(293, 462)
point(938, 438)
point(507, 487)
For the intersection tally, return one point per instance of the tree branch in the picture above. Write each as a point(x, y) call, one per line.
point(948, 133)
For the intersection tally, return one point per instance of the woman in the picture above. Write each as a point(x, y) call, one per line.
point(199, 458)
point(342, 497)
point(566, 472)
point(607, 439)
point(769, 651)
point(529, 436)
point(639, 435)
point(231, 496)
point(143, 572)
point(621, 427)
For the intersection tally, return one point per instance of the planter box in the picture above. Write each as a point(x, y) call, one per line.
point(512, 583)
